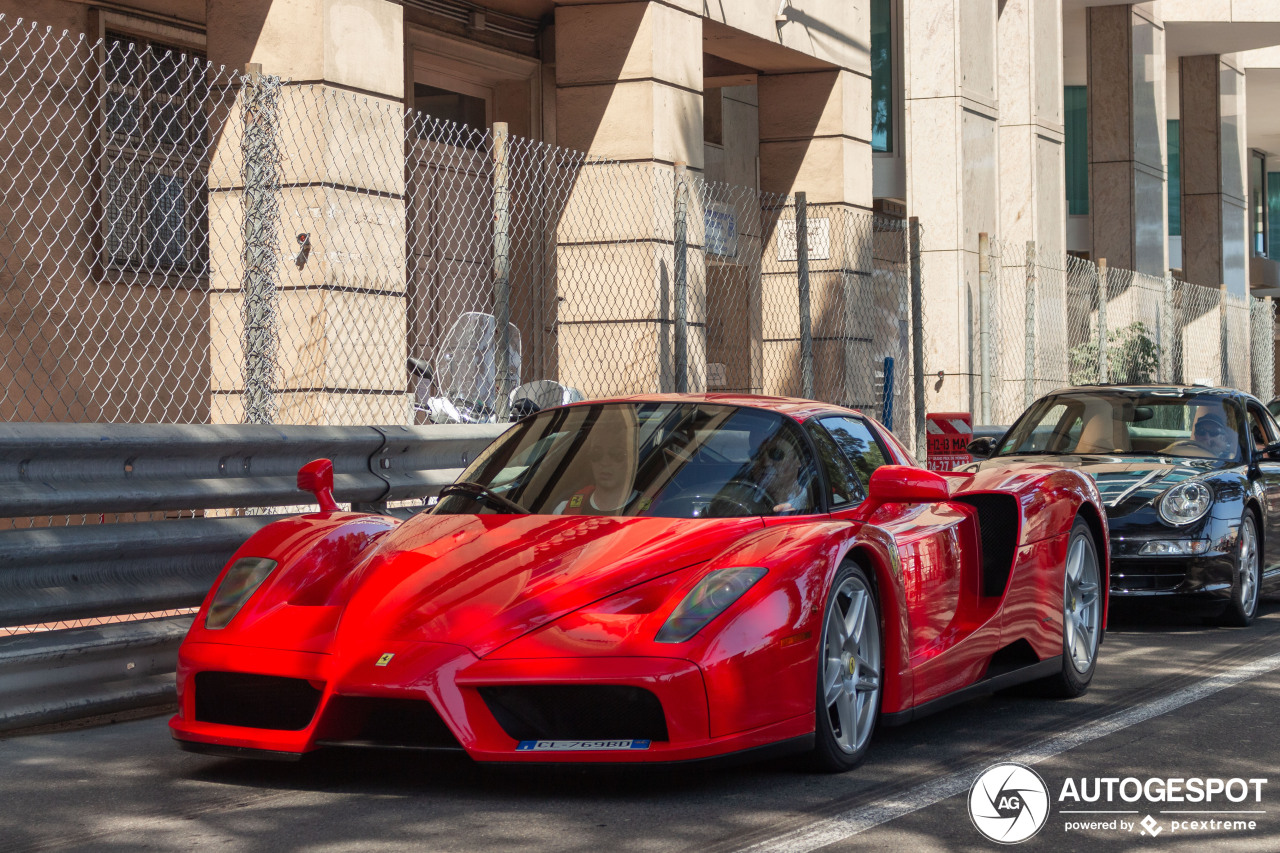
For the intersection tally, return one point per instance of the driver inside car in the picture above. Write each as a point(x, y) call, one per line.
point(1210, 435)
point(779, 478)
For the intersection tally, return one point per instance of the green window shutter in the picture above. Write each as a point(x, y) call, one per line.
point(1175, 180)
point(882, 76)
point(1273, 215)
point(1076, 138)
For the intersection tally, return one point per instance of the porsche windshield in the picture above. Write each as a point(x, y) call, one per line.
point(1202, 426)
point(670, 460)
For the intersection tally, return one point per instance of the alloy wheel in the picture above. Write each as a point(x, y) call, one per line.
point(851, 664)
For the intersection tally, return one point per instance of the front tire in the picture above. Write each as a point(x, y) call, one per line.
point(1247, 581)
point(850, 668)
point(1081, 615)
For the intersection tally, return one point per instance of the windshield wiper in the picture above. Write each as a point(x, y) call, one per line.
point(484, 494)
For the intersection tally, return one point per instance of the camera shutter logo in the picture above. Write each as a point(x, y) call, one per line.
point(1008, 803)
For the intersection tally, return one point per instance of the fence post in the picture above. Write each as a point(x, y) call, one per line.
point(1224, 375)
point(1166, 332)
point(1029, 393)
point(1102, 321)
point(802, 261)
point(501, 269)
point(682, 279)
point(917, 338)
point(260, 234)
point(1268, 369)
point(985, 319)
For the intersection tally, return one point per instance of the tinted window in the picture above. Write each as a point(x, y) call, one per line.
point(844, 483)
point(859, 445)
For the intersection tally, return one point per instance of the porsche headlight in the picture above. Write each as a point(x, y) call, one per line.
point(706, 601)
point(1185, 503)
point(241, 581)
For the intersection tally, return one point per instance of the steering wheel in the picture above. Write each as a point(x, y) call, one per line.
point(684, 501)
point(1189, 444)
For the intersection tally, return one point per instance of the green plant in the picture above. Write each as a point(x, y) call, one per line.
point(1132, 357)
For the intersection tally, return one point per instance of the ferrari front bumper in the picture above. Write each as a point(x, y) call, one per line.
point(237, 700)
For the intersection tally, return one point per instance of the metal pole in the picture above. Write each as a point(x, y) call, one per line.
point(259, 232)
point(1102, 322)
point(1223, 373)
point(1166, 332)
point(682, 279)
point(917, 337)
point(986, 316)
point(501, 270)
point(802, 260)
point(1029, 392)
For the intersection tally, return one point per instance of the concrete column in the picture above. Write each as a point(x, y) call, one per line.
point(953, 177)
point(1032, 184)
point(342, 307)
point(1214, 214)
point(815, 130)
point(1128, 203)
point(629, 88)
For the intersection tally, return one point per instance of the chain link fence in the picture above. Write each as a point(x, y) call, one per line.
point(187, 244)
point(1057, 321)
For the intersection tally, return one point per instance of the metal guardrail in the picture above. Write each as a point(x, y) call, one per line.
point(50, 574)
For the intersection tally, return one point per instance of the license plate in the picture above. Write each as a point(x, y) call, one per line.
point(579, 745)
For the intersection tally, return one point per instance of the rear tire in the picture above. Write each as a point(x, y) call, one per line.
point(1081, 616)
point(1248, 576)
point(850, 672)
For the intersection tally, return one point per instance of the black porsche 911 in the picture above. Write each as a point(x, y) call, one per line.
point(1191, 481)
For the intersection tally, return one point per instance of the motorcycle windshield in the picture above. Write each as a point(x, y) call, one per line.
point(466, 366)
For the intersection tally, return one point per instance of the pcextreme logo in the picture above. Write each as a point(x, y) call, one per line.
point(1009, 803)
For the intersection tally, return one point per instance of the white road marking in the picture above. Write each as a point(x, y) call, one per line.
point(850, 823)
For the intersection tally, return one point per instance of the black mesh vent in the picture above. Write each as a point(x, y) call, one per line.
point(1140, 575)
point(998, 527)
point(574, 712)
point(256, 701)
point(409, 723)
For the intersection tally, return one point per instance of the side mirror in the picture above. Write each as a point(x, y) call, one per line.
point(904, 484)
point(317, 477)
point(982, 448)
point(1271, 451)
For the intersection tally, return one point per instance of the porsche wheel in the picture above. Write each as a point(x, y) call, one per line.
point(1081, 615)
point(1244, 590)
point(849, 672)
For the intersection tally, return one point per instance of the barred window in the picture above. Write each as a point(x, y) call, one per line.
point(154, 129)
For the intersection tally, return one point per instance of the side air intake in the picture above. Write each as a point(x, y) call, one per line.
point(998, 528)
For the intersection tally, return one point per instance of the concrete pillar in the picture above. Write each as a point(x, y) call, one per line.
point(815, 130)
point(629, 88)
point(1214, 215)
point(953, 179)
point(1032, 185)
point(1128, 203)
point(342, 308)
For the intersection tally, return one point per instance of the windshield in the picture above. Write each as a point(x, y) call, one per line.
point(1200, 426)
point(668, 460)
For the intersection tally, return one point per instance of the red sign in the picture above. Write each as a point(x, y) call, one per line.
point(947, 434)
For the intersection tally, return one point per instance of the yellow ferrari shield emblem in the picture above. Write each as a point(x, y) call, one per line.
point(385, 659)
point(575, 501)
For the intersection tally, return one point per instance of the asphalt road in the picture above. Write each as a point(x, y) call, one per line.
point(1169, 700)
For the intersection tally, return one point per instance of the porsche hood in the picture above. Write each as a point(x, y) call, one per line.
point(481, 581)
point(1127, 483)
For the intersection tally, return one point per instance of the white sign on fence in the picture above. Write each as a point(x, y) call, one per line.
point(721, 225)
point(819, 239)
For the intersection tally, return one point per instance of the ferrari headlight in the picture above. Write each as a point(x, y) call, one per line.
point(240, 582)
point(1185, 503)
point(711, 597)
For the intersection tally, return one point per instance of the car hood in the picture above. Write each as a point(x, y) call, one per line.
point(1126, 482)
point(480, 581)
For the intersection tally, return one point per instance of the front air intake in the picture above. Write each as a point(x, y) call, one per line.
point(255, 701)
point(577, 712)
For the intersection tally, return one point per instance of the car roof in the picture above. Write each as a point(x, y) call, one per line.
point(793, 407)
point(1131, 389)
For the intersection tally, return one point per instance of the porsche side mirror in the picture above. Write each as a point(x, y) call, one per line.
point(317, 477)
point(982, 448)
point(1271, 451)
point(904, 484)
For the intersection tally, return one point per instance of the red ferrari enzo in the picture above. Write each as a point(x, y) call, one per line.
point(652, 579)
